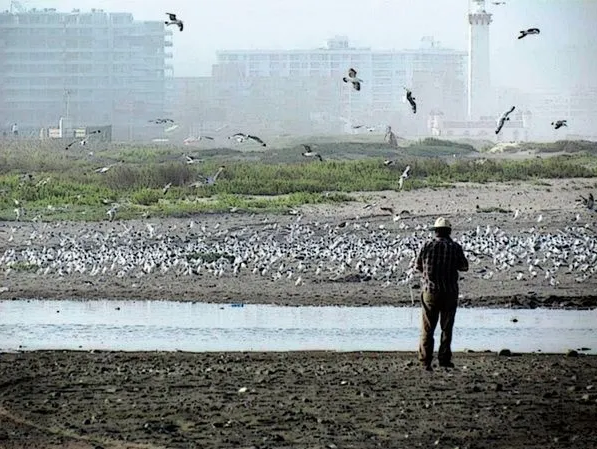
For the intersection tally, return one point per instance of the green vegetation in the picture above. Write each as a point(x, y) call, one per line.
point(50, 183)
point(559, 146)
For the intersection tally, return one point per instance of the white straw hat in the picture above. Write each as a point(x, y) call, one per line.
point(442, 222)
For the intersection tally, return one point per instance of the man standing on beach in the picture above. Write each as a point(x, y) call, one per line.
point(439, 260)
point(15, 130)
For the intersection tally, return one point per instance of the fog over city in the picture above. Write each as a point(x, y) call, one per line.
point(568, 27)
point(550, 69)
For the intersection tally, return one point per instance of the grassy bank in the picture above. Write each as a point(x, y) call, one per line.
point(51, 183)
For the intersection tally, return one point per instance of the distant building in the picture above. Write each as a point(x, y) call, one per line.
point(284, 86)
point(578, 108)
point(91, 68)
point(517, 129)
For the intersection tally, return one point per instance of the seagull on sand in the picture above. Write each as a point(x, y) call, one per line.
point(309, 153)
point(502, 120)
point(559, 123)
point(112, 212)
point(352, 78)
point(524, 33)
point(173, 21)
point(404, 176)
point(411, 100)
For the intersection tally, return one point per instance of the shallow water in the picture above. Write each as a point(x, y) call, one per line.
point(167, 325)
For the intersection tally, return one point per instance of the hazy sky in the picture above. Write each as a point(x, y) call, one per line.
point(536, 61)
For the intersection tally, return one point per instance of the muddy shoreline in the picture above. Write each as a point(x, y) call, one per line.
point(348, 295)
point(51, 399)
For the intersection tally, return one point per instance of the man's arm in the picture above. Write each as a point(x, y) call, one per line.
point(419, 264)
point(462, 260)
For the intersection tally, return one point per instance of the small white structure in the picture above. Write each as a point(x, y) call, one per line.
point(515, 130)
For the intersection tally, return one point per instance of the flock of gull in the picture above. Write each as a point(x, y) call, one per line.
point(294, 250)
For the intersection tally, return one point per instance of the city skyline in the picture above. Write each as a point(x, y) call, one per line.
point(562, 56)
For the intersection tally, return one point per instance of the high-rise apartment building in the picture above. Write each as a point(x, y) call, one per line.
point(90, 68)
point(309, 83)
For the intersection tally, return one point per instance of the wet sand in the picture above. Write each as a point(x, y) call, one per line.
point(299, 400)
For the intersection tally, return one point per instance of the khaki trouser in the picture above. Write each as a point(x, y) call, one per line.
point(436, 306)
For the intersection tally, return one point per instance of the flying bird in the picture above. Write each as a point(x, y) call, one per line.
point(368, 128)
point(191, 160)
point(499, 3)
point(502, 120)
point(71, 144)
point(104, 169)
point(309, 153)
point(404, 176)
point(559, 123)
point(190, 140)
point(411, 100)
point(161, 121)
point(173, 21)
point(210, 180)
point(352, 78)
point(241, 137)
point(524, 33)
point(389, 162)
point(83, 141)
point(256, 139)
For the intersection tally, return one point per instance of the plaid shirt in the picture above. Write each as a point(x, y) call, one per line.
point(440, 260)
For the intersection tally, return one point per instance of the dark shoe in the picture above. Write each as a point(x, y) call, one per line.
point(447, 365)
point(427, 367)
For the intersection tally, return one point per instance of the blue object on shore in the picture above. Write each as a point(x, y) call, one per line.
point(237, 305)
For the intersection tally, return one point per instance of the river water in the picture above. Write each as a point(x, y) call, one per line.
point(186, 326)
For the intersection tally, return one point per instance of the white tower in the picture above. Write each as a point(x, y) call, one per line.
point(479, 80)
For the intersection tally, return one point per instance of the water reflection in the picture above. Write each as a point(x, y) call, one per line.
point(166, 325)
